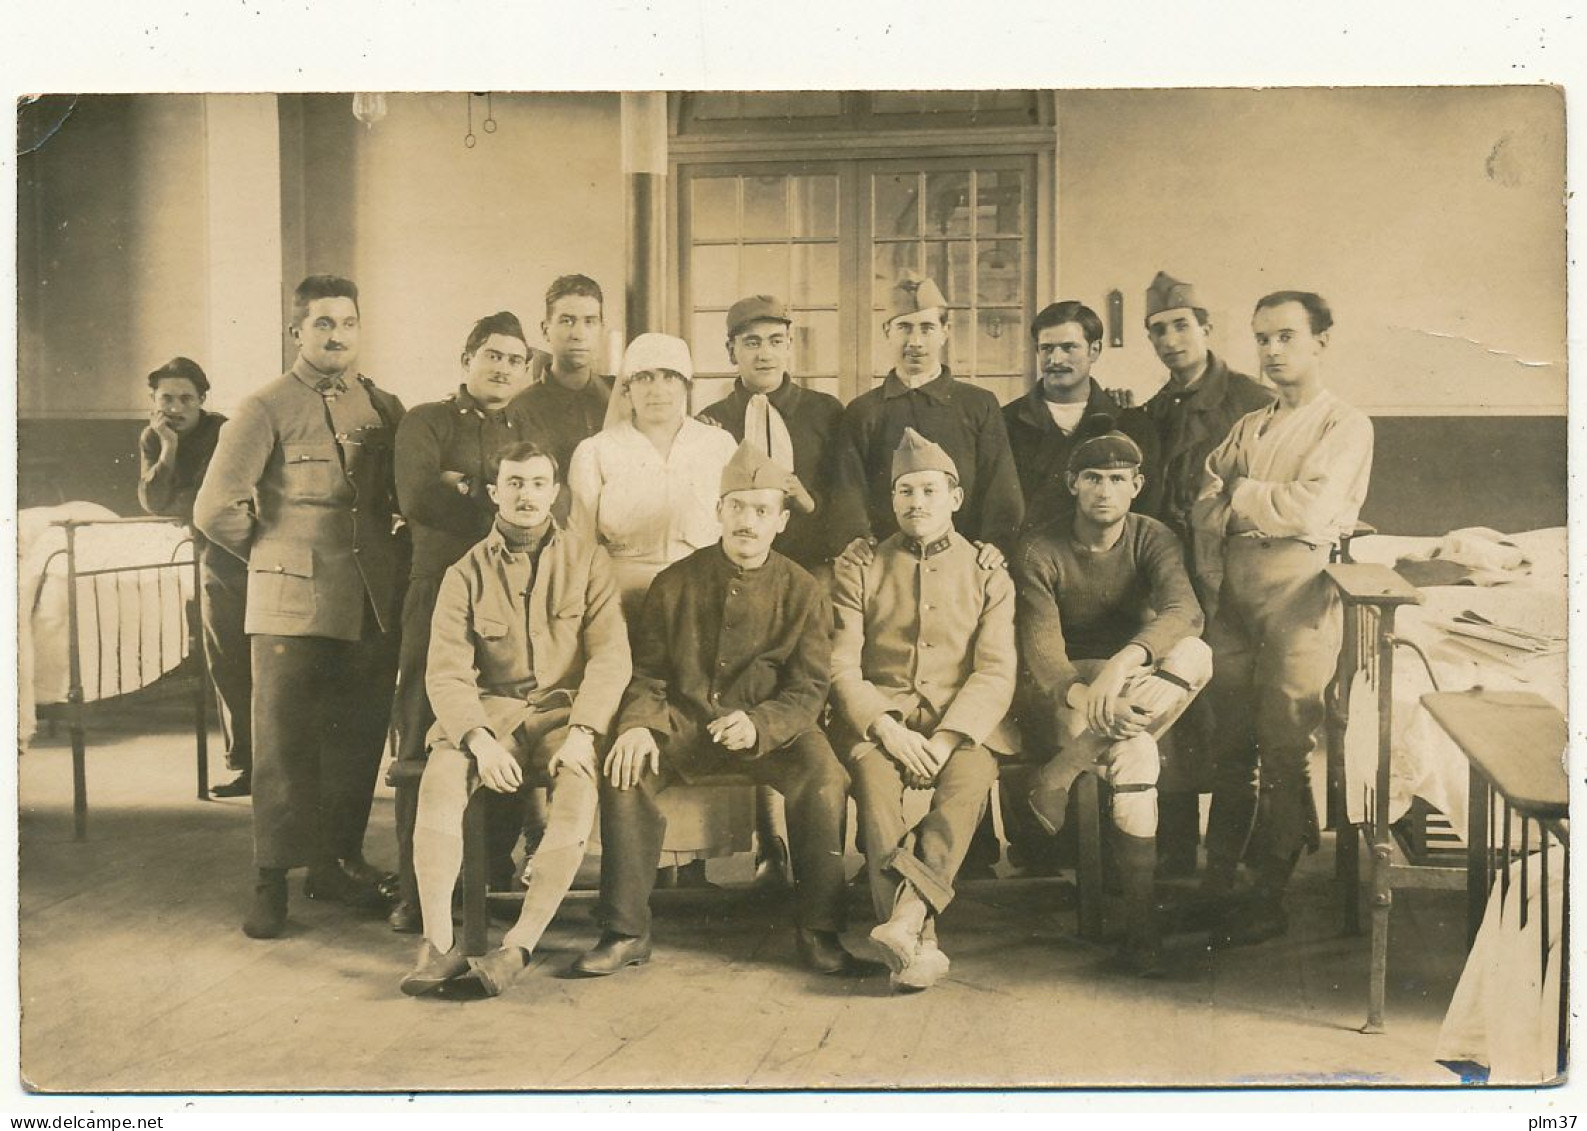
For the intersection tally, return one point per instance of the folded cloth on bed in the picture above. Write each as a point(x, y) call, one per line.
point(1475, 555)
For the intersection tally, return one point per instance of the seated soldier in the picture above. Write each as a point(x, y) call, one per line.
point(1109, 635)
point(527, 663)
point(731, 655)
point(923, 671)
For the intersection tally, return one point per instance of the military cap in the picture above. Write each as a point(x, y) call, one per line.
point(1168, 293)
point(756, 308)
point(916, 453)
point(657, 351)
point(910, 294)
point(1103, 445)
point(751, 469)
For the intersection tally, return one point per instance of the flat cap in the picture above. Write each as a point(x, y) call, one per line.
point(751, 469)
point(916, 453)
point(756, 308)
point(1103, 445)
point(1168, 293)
point(910, 294)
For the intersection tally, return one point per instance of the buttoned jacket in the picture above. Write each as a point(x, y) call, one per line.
point(499, 650)
point(300, 487)
point(925, 626)
point(713, 638)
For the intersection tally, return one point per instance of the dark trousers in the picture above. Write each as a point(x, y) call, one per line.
point(815, 794)
point(224, 606)
point(320, 712)
point(1275, 643)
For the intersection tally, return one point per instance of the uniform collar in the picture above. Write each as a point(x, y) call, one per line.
point(321, 383)
point(929, 549)
point(737, 572)
point(466, 402)
point(939, 390)
point(783, 398)
point(1207, 392)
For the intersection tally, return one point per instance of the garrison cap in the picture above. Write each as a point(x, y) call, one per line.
point(1168, 293)
point(657, 351)
point(916, 453)
point(756, 308)
point(751, 469)
point(910, 294)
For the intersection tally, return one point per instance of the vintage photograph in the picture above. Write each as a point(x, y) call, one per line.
point(825, 589)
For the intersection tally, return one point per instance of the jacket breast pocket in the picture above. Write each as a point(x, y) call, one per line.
point(281, 580)
point(311, 472)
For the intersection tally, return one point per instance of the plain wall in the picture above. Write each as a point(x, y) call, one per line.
point(1431, 219)
point(112, 243)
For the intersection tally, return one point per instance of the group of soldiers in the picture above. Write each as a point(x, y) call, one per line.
point(905, 593)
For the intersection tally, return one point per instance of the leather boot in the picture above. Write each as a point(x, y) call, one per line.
point(268, 916)
point(1178, 833)
point(1137, 861)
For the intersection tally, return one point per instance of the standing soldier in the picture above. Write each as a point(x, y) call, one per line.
point(301, 489)
point(1279, 491)
point(174, 453)
point(566, 403)
point(444, 450)
point(921, 393)
point(1191, 413)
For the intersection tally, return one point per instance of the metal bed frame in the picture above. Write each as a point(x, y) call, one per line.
point(187, 647)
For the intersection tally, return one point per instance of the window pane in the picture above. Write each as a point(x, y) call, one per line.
point(815, 277)
point(948, 204)
point(816, 343)
point(1000, 341)
point(922, 101)
point(713, 276)
point(948, 264)
point(815, 205)
point(713, 214)
point(765, 207)
point(890, 261)
point(997, 272)
point(999, 202)
point(896, 197)
point(765, 269)
point(961, 344)
point(708, 344)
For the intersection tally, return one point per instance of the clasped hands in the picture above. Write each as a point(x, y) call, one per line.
point(920, 758)
point(1114, 712)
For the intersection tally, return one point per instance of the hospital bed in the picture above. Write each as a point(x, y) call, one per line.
point(109, 606)
point(1398, 782)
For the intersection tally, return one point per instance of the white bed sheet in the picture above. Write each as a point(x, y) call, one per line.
point(1426, 762)
point(135, 633)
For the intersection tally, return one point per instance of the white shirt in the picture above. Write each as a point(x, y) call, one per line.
point(641, 506)
point(1066, 416)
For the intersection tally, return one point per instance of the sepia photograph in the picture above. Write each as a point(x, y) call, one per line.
point(832, 589)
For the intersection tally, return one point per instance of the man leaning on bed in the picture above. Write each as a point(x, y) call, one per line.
point(301, 489)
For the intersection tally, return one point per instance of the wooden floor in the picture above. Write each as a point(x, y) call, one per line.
point(135, 977)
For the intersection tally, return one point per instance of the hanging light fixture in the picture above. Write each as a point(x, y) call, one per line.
point(369, 108)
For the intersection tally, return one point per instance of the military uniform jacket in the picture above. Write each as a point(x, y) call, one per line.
point(965, 420)
point(509, 638)
point(455, 434)
point(300, 487)
point(1190, 424)
point(713, 639)
point(925, 626)
point(1041, 453)
point(812, 420)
